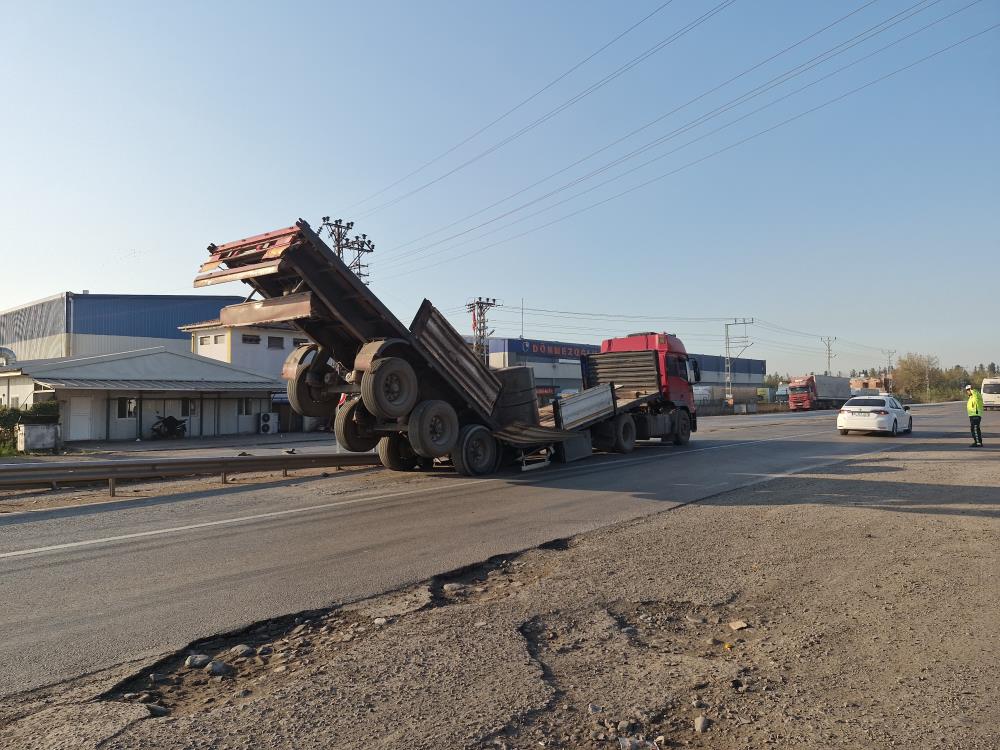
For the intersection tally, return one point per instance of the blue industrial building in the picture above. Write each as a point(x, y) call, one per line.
point(72, 324)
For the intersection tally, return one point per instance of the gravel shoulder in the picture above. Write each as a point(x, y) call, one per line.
point(854, 606)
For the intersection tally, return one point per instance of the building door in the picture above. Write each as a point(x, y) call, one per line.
point(79, 418)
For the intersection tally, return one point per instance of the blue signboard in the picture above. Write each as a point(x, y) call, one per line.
point(550, 349)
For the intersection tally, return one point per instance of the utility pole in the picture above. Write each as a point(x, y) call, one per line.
point(889, 353)
point(828, 340)
point(350, 250)
point(479, 308)
point(927, 377)
point(742, 342)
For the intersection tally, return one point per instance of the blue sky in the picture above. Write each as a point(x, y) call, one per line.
point(135, 133)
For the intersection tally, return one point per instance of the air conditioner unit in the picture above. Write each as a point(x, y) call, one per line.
point(268, 424)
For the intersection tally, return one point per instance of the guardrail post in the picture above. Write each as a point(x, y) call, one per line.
point(284, 472)
point(111, 486)
point(225, 477)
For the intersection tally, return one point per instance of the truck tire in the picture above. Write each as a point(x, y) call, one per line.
point(302, 396)
point(433, 428)
point(395, 453)
point(682, 433)
point(624, 432)
point(389, 388)
point(476, 452)
point(353, 427)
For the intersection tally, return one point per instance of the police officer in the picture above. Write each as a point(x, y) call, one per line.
point(974, 408)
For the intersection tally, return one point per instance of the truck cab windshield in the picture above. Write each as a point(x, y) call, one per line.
point(799, 389)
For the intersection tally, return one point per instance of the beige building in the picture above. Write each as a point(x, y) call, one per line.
point(257, 348)
point(120, 396)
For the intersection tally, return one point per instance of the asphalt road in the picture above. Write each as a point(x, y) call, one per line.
point(89, 587)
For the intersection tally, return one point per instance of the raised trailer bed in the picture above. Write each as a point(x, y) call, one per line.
point(416, 394)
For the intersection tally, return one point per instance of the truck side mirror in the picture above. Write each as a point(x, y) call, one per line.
point(696, 370)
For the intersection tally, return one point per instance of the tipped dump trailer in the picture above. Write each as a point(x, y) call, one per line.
point(419, 393)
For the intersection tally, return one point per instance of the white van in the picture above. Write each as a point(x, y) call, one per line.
point(991, 393)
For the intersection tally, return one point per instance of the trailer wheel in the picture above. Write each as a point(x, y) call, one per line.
point(389, 388)
point(476, 451)
point(433, 428)
point(396, 454)
point(302, 396)
point(353, 427)
point(624, 432)
point(682, 435)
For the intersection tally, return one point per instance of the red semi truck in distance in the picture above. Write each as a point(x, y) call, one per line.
point(818, 392)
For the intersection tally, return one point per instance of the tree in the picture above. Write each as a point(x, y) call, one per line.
point(776, 379)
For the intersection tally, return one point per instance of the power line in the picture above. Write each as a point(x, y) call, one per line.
point(715, 153)
point(516, 107)
point(649, 124)
point(565, 105)
point(548, 312)
point(742, 99)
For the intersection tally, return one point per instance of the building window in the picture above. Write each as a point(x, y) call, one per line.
point(220, 338)
point(189, 407)
point(249, 338)
point(245, 407)
point(204, 340)
point(126, 408)
point(275, 342)
point(300, 342)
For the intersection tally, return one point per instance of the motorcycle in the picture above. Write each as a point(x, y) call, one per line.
point(169, 427)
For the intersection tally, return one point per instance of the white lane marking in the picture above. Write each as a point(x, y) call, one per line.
point(221, 522)
point(290, 511)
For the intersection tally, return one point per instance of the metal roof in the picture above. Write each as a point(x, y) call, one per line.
point(156, 385)
point(208, 324)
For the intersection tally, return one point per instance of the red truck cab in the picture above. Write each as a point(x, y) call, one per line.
point(677, 370)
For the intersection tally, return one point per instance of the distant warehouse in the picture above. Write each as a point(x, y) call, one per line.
point(73, 324)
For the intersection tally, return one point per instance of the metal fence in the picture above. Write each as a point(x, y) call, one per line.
point(55, 473)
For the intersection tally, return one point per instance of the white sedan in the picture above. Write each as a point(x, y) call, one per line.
point(881, 413)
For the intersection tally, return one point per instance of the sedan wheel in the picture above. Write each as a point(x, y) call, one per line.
point(895, 429)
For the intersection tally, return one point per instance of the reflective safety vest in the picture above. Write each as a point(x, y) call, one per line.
point(974, 406)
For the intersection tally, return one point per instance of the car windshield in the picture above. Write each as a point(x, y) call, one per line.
point(799, 389)
point(866, 402)
point(991, 388)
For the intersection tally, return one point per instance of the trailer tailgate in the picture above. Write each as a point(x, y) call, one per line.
point(586, 407)
point(451, 356)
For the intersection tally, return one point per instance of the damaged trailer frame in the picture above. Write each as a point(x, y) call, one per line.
point(415, 394)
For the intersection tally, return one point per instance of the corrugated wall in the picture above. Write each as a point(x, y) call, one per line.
point(36, 330)
point(140, 316)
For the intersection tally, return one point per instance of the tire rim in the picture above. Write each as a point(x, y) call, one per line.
point(391, 388)
point(436, 429)
point(477, 451)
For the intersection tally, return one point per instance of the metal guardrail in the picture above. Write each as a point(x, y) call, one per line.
point(55, 473)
